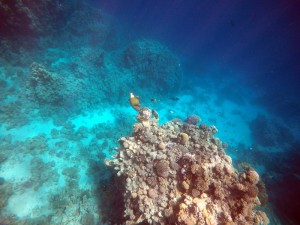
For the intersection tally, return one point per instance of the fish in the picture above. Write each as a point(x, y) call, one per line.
point(135, 102)
point(154, 100)
point(174, 98)
point(155, 114)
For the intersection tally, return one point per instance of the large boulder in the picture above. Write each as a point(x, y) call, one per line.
point(153, 64)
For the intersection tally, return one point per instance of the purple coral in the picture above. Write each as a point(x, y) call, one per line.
point(192, 119)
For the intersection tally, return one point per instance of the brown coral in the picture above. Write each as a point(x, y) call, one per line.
point(168, 212)
point(252, 176)
point(151, 181)
point(252, 191)
point(183, 138)
point(162, 168)
point(152, 193)
point(161, 145)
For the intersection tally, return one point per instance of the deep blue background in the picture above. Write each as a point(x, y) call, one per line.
point(260, 39)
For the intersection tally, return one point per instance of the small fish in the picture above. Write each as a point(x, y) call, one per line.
point(154, 100)
point(135, 102)
point(171, 111)
point(174, 98)
point(155, 114)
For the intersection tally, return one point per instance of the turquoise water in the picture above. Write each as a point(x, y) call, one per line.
point(66, 72)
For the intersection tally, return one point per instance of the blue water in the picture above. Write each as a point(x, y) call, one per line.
point(66, 71)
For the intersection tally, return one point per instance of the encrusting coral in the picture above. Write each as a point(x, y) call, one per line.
point(192, 119)
point(179, 174)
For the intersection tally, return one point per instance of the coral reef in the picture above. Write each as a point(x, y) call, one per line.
point(179, 174)
point(50, 88)
point(46, 87)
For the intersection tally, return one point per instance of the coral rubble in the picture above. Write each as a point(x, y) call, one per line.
point(179, 174)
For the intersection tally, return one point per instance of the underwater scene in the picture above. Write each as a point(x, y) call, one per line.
point(149, 112)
